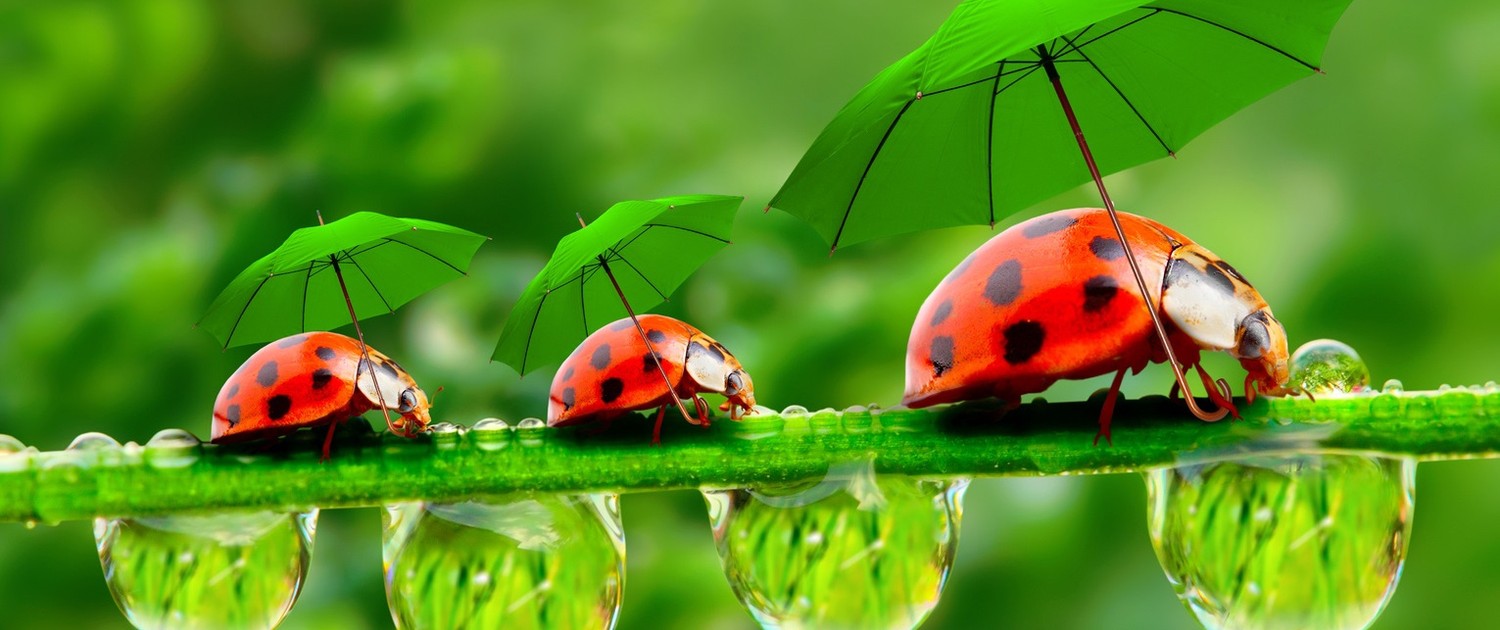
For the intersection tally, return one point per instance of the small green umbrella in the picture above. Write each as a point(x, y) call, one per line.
point(636, 252)
point(975, 124)
point(325, 276)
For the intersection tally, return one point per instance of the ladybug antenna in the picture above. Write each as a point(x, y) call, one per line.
point(432, 401)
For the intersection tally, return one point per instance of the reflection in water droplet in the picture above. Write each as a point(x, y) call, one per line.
point(172, 448)
point(517, 561)
point(794, 411)
point(1325, 366)
point(9, 445)
point(239, 570)
point(1303, 541)
point(851, 550)
point(92, 441)
point(14, 455)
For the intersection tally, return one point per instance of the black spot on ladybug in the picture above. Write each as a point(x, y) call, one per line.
point(1023, 340)
point(568, 398)
point(1217, 276)
point(321, 376)
point(267, 374)
point(325, 353)
point(942, 312)
point(717, 350)
point(1042, 226)
point(1098, 292)
point(568, 375)
point(234, 390)
point(942, 355)
point(1226, 268)
point(390, 370)
point(611, 389)
point(600, 359)
point(232, 414)
point(291, 342)
point(1004, 285)
point(277, 406)
point(656, 336)
point(650, 361)
point(1106, 248)
point(623, 324)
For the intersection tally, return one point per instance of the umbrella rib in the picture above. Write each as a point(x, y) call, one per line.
point(1114, 30)
point(1241, 34)
point(429, 254)
point(306, 282)
point(1020, 68)
point(237, 320)
point(989, 145)
point(1016, 80)
point(531, 333)
point(866, 173)
point(678, 227)
point(583, 304)
point(378, 294)
point(635, 237)
point(642, 275)
point(1121, 93)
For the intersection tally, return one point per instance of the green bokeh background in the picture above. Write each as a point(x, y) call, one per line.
point(150, 150)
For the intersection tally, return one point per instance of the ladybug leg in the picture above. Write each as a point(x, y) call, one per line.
point(1175, 392)
point(1249, 389)
point(1108, 412)
point(656, 432)
point(328, 441)
point(1218, 391)
point(702, 407)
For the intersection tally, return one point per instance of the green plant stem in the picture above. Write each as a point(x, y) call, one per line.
point(973, 439)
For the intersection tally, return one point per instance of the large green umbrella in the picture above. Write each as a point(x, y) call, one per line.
point(637, 252)
point(976, 124)
point(325, 276)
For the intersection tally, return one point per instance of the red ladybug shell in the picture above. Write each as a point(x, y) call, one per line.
point(611, 372)
point(308, 380)
point(1053, 298)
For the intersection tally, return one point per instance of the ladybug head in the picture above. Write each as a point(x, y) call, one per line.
point(739, 393)
point(1260, 345)
point(412, 404)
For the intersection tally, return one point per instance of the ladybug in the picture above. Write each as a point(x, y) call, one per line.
point(612, 373)
point(309, 380)
point(1053, 298)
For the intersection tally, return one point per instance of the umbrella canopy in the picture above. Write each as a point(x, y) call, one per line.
point(635, 254)
point(385, 262)
point(967, 128)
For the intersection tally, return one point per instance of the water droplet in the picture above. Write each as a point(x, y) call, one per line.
point(1387, 405)
point(1492, 399)
point(1328, 555)
point(172, 448)
point(93, 441)
point(445, 435)
point(1326, 366)
point(1393, 386)
point(825, 420)
point(531, 431)
point(758, 426)
point(491, 434)
point(1457, 402)
point(14, 455)
point(761, 410)
point(794, 411)
point(851, 550)
point(516, 561)
point(9, 445)
point(238, 570)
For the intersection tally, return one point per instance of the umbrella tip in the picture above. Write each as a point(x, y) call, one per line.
point(1320, 71)
point(831, 250)
point(320, 216)
point(580, 219)
point(767, 208)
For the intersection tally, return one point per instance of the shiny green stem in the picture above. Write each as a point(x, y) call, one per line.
point(973, 439)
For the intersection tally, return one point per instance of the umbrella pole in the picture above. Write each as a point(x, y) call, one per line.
point(649, 347)
point(1088, 158)
point(364, 351)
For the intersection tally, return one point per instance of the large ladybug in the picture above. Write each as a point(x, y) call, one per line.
point(309, 380)
point(612, 373)
point(1053, 298)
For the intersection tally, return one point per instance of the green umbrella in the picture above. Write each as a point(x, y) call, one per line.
point(325, 276)
point(636, 252)
point(975, 124)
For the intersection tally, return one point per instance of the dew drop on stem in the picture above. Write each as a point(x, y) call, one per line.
point(851, 550)
point(1299, 541)
point(516, 561)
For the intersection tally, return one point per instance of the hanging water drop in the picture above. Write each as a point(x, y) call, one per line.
point(1302, 541)
point(516, 561)
point(238, 570)
point(851, 550)
point(1326, 366)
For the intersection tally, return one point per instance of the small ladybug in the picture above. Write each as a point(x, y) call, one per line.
point(612, 373)
point(308, 380)
point(1053, 298)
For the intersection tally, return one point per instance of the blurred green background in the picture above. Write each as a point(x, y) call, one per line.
point(149, 150)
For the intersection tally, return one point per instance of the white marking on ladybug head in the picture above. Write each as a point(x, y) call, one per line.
point(706, 367)
point(1203, 301)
